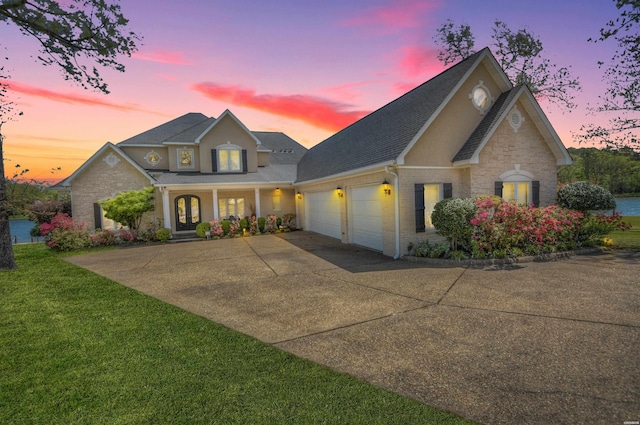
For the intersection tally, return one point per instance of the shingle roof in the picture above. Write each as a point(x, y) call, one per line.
point(382, 135)
point(493, 115)
point(186, 125)
point(284, 150)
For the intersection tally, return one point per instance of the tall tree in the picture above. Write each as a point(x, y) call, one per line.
point(622, 72)
point(520, 55)
point(75, 36)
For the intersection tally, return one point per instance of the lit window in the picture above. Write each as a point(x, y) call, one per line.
point(432, 195)
point(517, 191)
point(231, 207)
point(229, 160)
point(185, 158)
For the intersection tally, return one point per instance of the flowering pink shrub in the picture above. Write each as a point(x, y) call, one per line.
point(253, 225)
point(505, 228)
point(63, 234)
point(272, 223)
point(216, 228)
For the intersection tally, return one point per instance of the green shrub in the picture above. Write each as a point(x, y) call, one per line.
point(452, 219)
point(202, 229)
point(584, 196)
point(226, 227)
point(261, 223)
point(244, 224)
point(163, 234)
point(439, 250)
point(422, 249)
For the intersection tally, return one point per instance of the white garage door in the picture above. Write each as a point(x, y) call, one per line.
point(365, 218)
point(323, 213)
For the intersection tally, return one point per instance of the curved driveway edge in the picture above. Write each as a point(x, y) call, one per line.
point(555, 342)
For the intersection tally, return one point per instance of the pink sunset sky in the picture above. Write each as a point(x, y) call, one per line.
point(307, 69)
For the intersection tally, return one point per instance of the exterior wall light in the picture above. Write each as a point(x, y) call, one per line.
point(299, 195)
point(386, 188)
point(339, 191)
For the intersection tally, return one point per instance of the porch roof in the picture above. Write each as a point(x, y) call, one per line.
point(279, 174)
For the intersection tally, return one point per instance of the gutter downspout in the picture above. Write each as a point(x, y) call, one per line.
point(396, 196)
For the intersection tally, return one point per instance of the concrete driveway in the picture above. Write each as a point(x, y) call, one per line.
point(536, 343)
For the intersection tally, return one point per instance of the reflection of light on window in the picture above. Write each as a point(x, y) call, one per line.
point(431, 198)
point(195, 210)
point(182, 211)
point(229, 160)
point(231, 207)
point(518, 192)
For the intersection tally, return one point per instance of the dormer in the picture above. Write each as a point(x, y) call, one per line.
point(228, 147)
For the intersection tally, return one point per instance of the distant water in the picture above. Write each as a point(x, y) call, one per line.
point(628, 206)
point(20, 229)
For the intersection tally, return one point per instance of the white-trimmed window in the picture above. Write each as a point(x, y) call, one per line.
point(517, 191)
point(432, 195)
point(229, 159)
point(231, 207)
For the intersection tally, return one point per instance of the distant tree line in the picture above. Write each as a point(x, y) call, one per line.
point(617, 170)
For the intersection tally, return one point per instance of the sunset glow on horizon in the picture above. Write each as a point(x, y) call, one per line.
point(307, 70)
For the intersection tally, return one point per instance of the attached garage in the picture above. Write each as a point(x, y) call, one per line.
point(322, 212)
point(365, 216)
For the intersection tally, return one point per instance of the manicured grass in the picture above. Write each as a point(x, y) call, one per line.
point(77, 348)
point(629, 239)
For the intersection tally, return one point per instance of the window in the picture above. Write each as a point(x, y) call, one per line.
point(426, 197)
point(432, 195)
point(523, 192)
point(229, 160)
point(231, 207)
point(518, 191)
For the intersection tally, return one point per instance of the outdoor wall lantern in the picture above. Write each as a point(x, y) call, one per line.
point(386, 188)
point(339, 191)
point(299, 195)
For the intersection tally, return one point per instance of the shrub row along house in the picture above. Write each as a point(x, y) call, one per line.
point(466, 132)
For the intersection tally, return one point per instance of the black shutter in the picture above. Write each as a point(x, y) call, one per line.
point(535, 193)
point(244, 161)
point(214, 161)
point(97, 216)
point(447, 190)
point(419, 197)
point(498, 189)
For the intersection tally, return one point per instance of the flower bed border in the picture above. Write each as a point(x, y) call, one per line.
point(478, 262)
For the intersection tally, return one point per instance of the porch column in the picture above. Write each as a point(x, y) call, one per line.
point(257, 196)
point(166, 208)
point(216, 213)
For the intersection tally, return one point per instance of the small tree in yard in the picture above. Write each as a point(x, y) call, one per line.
point(128, 207)
point(452, 219)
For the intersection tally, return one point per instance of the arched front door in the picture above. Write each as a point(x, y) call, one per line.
point(187, 212)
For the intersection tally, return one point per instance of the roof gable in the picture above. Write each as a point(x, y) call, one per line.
point(67, 182)
point(282, 148)
point(227, 114)
point(470, 151)
point(387, 134)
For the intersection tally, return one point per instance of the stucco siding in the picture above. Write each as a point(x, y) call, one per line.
point(455, 123)
point(227, 131)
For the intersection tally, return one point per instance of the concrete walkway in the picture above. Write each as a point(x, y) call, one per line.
point(537, 343)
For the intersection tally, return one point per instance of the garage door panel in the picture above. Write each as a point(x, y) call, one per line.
point(366, 217)
point(323, 213)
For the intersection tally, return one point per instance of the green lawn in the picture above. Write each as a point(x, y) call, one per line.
point(629, 239)
point(77, 348)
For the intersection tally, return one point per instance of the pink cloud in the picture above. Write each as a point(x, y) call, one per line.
point(69, 98)
point(312, 110)
point(162, 56)
point(397, 15)
point(348, 92)
point(418, 61)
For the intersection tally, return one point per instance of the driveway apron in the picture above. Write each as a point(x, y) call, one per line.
point(536, 343)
